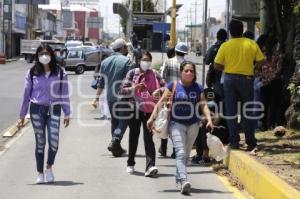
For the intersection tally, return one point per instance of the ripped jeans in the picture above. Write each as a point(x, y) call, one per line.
point(183, 138)
point(43, 117)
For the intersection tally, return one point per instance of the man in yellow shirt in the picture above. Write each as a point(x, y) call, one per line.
point(237, 57)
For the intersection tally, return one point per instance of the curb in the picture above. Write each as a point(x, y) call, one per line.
point(257, 179)
point(14, 129)
point(11, 60)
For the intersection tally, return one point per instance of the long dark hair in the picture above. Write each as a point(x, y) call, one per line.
point(183, 64)
point(38, 68)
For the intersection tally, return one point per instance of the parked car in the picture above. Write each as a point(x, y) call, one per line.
point(73, 43)
point(106, 52)
point(89, 43)
point(80, 59)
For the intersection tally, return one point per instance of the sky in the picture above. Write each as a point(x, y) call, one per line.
point(111, 21)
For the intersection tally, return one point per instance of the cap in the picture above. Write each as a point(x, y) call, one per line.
point(118, 43)
point(182, 48)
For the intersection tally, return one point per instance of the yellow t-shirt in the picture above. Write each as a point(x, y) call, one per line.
point(238, 55)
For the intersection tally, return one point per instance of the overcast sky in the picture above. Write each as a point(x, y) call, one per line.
point(216, 7)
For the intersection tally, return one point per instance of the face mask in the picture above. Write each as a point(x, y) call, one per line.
point(45, 59)
point(187, 77)
point(145, 65)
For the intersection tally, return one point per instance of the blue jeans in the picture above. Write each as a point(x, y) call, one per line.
point(43, 117)
point(239, 87)
point(119, 112)
point(183, 138)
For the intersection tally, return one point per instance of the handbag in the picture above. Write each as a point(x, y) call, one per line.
point(161, 122)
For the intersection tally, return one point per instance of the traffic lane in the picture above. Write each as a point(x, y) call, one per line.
point(12, 79)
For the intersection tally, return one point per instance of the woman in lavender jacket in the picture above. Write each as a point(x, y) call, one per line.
point(46, 90)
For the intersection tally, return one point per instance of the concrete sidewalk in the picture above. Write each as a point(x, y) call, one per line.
point(85, 169)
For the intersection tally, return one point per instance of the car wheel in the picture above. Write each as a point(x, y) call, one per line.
point(79, 70)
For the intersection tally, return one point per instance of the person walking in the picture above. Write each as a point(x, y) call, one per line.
point(146, 86)
point(236, 57)
point(112, 71)
point(184, 118)
point(170, 72)
point(46, 91)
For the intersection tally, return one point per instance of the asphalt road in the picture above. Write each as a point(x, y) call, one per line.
point(85, 169)
point(12, 76)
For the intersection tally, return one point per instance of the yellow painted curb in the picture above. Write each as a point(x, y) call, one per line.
point(14, 129)
point(235, 192)
point(257, 179)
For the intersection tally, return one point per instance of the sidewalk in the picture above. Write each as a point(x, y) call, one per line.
point(85, 169)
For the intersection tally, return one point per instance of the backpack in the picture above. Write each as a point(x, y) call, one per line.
point(144, 97)
point(212, 75)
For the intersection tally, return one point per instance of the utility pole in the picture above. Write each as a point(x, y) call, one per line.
point(142, 5)
point(195, 20)
point(173, 24)
point(227, 14)
point(192, 39)
point(204, 31)
point(164, 32)
point(129, 22)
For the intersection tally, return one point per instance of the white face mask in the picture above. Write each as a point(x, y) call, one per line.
point(45, 59)
point(145, 65)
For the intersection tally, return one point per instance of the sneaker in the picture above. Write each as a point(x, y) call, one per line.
point(151, 172)
point(205, 162)
point(162, 152)
point(123, 150)
point(251, 147)
point(185, 187)
point(40, 179)
point(130, 169)
point(115, 148)
point(196, 159)
point(49, 175)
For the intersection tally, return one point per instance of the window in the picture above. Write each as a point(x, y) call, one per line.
point(95, 22)
point(75, 54)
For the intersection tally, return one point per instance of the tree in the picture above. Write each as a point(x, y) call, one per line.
point(280, 22)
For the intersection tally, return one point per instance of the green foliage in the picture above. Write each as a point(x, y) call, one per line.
point(296, 9)
point(294, 89)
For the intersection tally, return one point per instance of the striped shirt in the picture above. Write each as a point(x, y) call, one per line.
point(171, 69)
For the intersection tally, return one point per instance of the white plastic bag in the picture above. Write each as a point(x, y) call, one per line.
point(216, 148)
point(161, 123)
